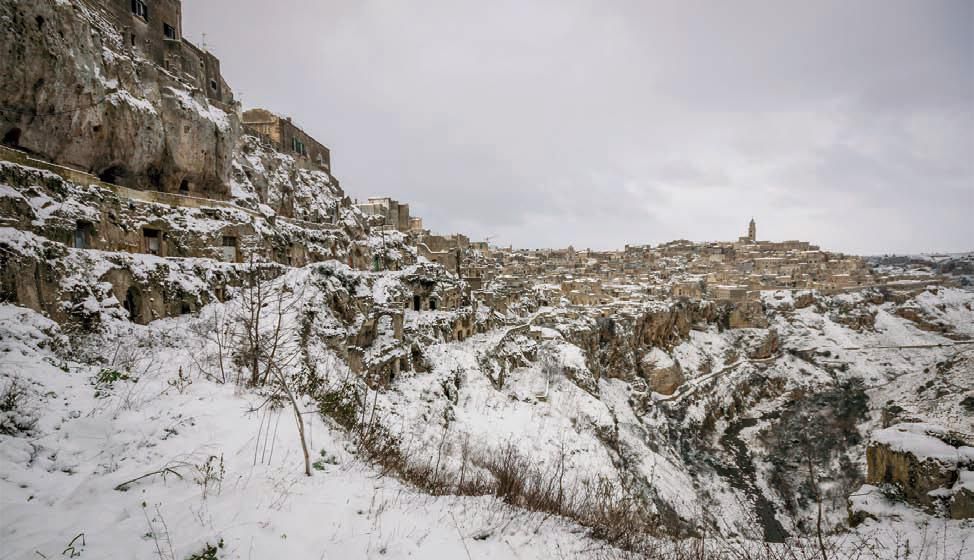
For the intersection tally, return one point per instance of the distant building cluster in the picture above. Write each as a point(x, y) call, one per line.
point(723, 271)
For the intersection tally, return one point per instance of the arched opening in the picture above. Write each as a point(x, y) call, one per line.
point(184, 186)
point(133, 304)
point(12, 137)
point(154, 174)
point(417, 303)
point(113, 174)
point(432, 304)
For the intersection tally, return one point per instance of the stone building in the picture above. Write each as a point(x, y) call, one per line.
point(287, 138)
point(389, 213)
point(155, 30)
point(111, 88)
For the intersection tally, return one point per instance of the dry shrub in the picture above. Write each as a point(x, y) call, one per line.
point(16, 415)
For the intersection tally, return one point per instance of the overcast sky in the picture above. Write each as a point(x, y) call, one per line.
point(597, 123)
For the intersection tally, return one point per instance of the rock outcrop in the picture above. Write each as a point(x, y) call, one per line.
point(927, 464)
point(662, 372)
point(75, 92)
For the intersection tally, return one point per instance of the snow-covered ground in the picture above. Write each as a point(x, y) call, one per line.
point(233, 474)
point(129, 401)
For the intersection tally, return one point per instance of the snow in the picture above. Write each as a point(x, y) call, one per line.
point(64, 481)
point(123, 96)
point(204, 109)
point(919, 439)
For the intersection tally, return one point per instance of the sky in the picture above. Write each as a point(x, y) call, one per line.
point(601, 123)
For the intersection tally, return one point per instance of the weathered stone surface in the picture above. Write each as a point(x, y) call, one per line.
point(662, 372)
point(747, 315)
point(770, 346)
point(922, 461)
point(915, 476)
point(76, 94)
point(962, 501)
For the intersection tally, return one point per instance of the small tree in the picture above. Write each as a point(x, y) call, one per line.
point(269, 347)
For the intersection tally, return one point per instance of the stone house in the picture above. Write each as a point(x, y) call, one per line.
point(690, 290)
point(154, 28)
point(389, 213)
point(287, 138)
point(730, 293)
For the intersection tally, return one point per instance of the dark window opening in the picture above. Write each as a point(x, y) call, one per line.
point(133, 304)
point(40, 21)
point(133, 39)
point(184, 308)
point(154, 175)
point(184, 186)
point(170, 31)
point(229, 241)
point(82, 235)
point(12, 137)
point(152, 239)
point(113, 174)
point(213, 85)
point(432, 305)
point(140, 9)
point(416, 303)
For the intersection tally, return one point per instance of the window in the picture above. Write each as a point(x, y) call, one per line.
point(299, 147)
point(170, 31)
point(140, 9)
point(152, 238)
point(82, 235)
point(229, 250)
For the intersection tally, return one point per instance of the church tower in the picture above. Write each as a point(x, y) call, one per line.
point(752, 231)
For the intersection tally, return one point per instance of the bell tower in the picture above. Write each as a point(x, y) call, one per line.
point(752, 231)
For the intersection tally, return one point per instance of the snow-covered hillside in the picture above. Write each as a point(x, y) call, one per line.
point(126, 436)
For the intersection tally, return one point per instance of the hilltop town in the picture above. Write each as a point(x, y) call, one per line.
point(160, 242)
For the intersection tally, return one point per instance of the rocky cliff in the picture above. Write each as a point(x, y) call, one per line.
point(74, 91)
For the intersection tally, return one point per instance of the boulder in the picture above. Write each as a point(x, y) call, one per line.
point(962, 500)
point(662, 372)
point(922, 461)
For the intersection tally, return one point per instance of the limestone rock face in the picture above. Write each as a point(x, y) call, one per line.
point(662, 372)
point(929, 465)
point(962, 501)
point(914, 475)
point(747, 315)
point(74, 92)
point(768, 347)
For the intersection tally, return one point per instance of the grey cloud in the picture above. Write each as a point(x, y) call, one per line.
point(604, 123)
